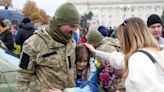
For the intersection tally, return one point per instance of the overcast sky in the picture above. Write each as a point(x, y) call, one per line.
point(48, 5)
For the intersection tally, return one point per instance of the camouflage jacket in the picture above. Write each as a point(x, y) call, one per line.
point(52, 63)
point(109, 44)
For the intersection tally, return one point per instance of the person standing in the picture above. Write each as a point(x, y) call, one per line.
point(49, 54)
point(6, 35)
point(14, 31)
point(155, 26)
point(141, 74)
point(25, 31)
point(106, 44)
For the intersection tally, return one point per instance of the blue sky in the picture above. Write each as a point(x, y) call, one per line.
point(48, 5)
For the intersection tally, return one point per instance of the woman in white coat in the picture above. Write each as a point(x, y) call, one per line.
point(140, 73)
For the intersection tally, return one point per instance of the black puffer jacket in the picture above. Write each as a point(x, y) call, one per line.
point(7, 39)
point(24, 33)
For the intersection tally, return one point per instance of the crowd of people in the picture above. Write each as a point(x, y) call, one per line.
point(64, 58)
point(14, 35)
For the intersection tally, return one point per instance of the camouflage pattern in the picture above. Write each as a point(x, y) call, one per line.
point(109, 44)
point(50, 70)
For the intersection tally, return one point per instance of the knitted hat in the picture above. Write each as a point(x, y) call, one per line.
point(152, 19)
point(26, 20)
point(94, 36)
point(103, 31)
point(67, 14)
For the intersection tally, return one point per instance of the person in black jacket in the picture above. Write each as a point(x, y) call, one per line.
point(25, 31)
point(6, 35)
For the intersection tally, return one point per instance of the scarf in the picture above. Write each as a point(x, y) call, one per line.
point(57, 34)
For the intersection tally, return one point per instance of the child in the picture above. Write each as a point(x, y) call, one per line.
point(17, 48)
point(87, 74)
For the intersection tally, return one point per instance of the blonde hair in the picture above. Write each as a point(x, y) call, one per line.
point(134, 35)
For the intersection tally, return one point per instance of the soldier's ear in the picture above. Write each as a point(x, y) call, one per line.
point(24, 61)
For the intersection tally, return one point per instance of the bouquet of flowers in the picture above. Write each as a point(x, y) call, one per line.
point(109, 78)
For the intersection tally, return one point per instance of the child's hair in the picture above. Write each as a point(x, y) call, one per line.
point(80, 51)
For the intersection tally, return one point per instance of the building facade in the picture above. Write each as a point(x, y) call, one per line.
point(111, 13)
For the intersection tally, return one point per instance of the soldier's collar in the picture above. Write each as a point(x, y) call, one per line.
point(51, 43)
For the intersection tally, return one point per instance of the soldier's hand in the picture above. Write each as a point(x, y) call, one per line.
point(54, 90)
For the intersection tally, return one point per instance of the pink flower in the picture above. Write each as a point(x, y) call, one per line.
point(110, 69)
point(109, 76)
point(105, 64)
point(104, 78)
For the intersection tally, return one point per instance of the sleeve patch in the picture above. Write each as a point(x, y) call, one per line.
point(24, 61)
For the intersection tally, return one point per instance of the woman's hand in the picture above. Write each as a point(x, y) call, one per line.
point(90, 47)
point(54, 90)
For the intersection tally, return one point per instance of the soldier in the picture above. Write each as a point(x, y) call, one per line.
point(49, 54)
point(107, 44)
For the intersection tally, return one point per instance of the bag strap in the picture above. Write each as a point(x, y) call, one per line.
point(148, 54)
point(160, 62)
